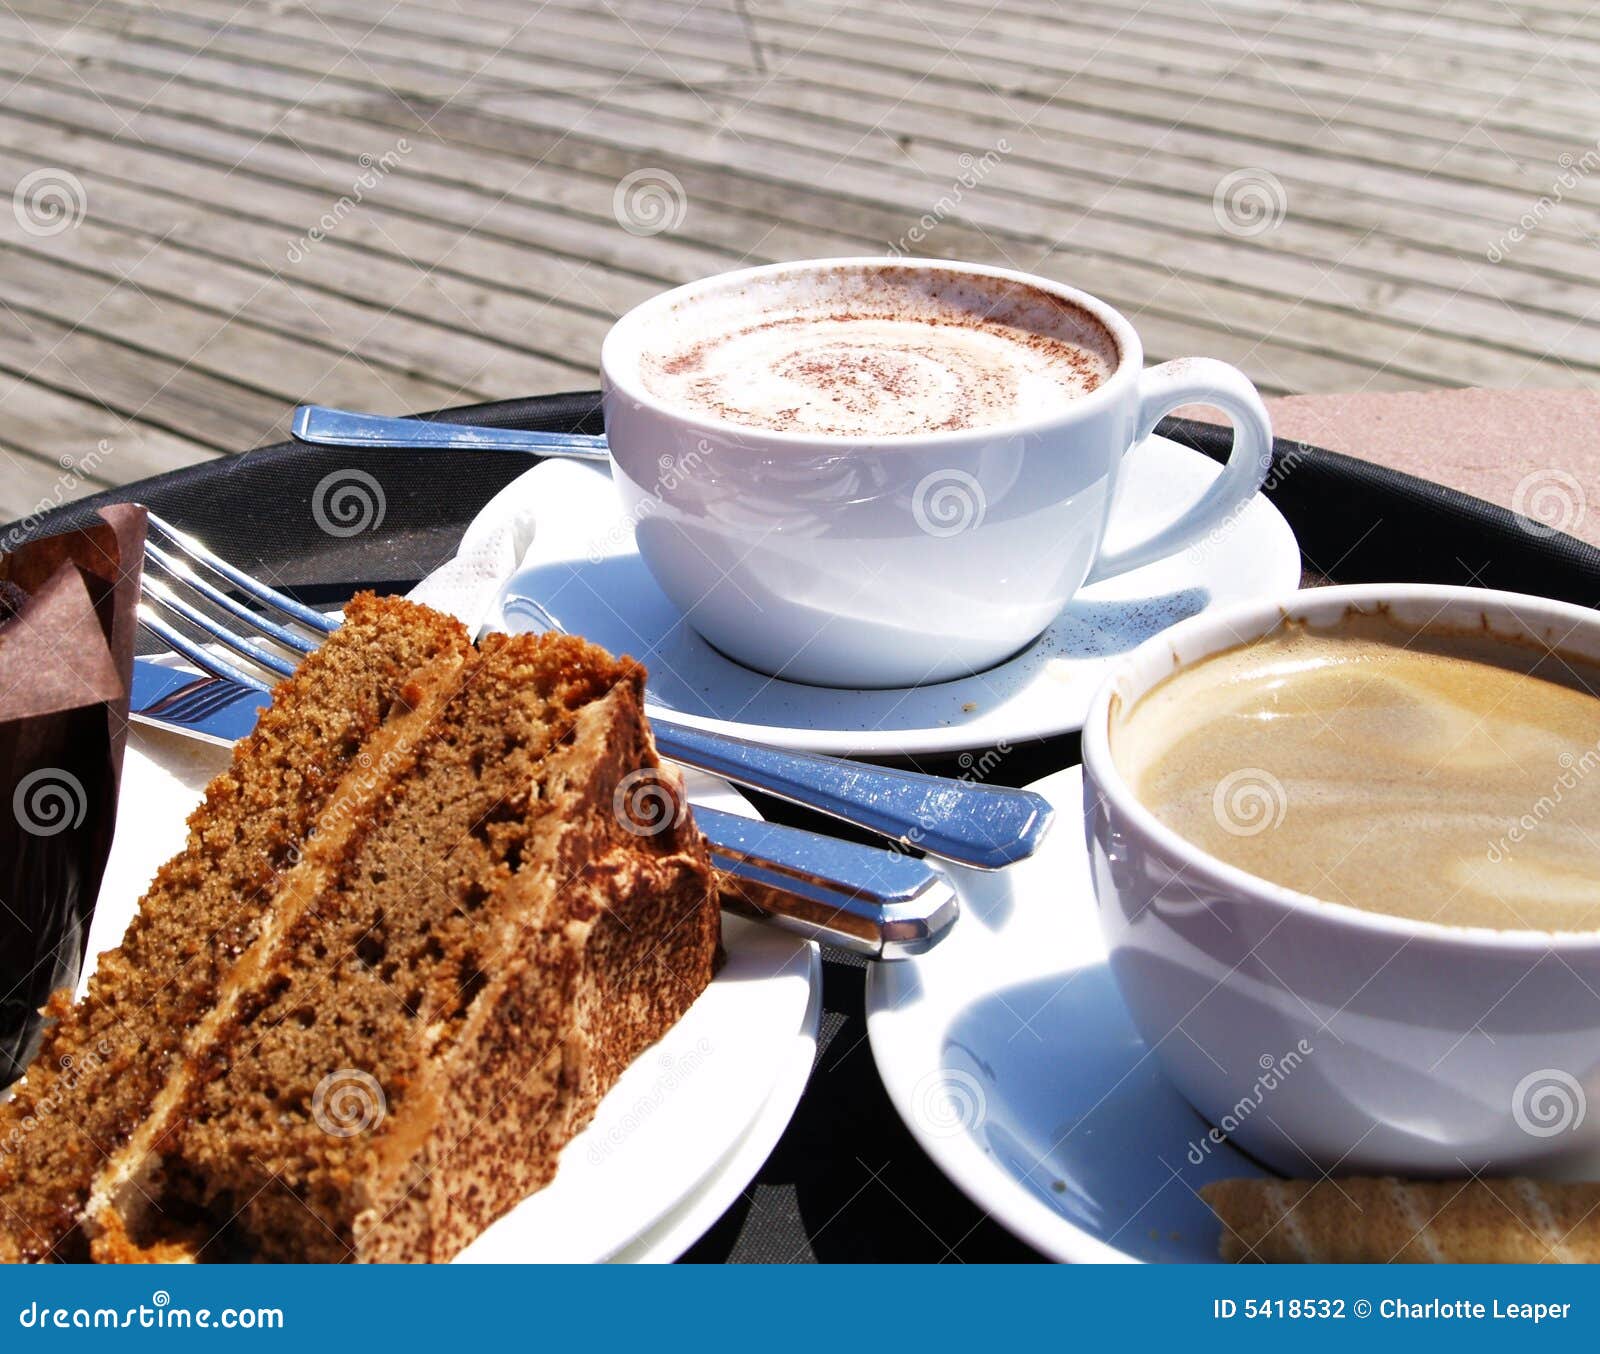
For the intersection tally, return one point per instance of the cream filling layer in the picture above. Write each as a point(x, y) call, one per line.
point(384, 757)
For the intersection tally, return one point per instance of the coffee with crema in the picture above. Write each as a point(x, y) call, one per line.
point(1452, 778)
point(878, 351)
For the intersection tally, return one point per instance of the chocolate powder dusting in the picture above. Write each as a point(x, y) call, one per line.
point(874, 352)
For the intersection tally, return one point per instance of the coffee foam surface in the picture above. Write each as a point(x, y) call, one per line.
point(861, 352)
point(1442, 781)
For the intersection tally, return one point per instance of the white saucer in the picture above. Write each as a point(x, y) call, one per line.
point(693, 1218)
point(1009, 1054)
point(583, 570)
point(676, 1123)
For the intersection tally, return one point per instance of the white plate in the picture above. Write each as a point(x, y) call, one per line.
point(675, 1117)
point(692, 1219)
point(583, 570)
point(1010, 1056)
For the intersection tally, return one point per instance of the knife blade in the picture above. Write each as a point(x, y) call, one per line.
point(210, 708)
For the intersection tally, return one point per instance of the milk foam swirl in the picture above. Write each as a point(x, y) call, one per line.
point(914, 363)
point(1394, 772)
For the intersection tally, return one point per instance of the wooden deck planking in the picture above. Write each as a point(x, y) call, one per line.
point(178, 319)
point(1295, 292)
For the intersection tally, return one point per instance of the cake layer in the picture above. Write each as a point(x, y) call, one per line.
point(327, 747)
point(408, 1052)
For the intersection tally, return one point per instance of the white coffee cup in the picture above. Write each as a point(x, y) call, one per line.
point(902, 559)
point(1320, 1036)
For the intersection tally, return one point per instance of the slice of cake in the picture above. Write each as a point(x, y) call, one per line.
point(456, 938)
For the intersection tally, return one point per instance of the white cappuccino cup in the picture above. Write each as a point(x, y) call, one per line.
point(883, 472)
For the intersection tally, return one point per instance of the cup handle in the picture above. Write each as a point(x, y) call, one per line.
point(1199, 380)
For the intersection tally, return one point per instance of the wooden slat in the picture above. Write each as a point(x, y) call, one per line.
point(191, 306)
point(1399, 355)
point(1101, 61)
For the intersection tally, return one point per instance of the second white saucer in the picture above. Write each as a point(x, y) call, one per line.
point(1010, 1056)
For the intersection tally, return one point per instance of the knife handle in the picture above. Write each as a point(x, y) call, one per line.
point(881, 904)
point(324, 427)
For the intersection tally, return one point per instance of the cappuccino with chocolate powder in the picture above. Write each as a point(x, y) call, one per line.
point(878, 351)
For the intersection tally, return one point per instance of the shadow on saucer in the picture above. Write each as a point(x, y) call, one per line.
point(987, 896)
point(1072, 1104)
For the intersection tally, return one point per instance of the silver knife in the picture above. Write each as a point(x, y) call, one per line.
point(883, 904)
point(207, 708)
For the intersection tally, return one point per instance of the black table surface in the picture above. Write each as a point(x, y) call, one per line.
point(847, 1182)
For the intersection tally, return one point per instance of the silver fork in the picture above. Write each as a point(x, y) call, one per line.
point(883, 904)
point(982, 826)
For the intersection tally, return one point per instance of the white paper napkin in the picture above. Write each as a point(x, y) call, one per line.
point(493, 547)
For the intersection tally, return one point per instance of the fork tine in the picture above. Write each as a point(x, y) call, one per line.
point(180, 572)
point(163, 596)
point(180, 643)
point(187, 545)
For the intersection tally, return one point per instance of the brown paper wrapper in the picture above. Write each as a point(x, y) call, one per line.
point(66, 659)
